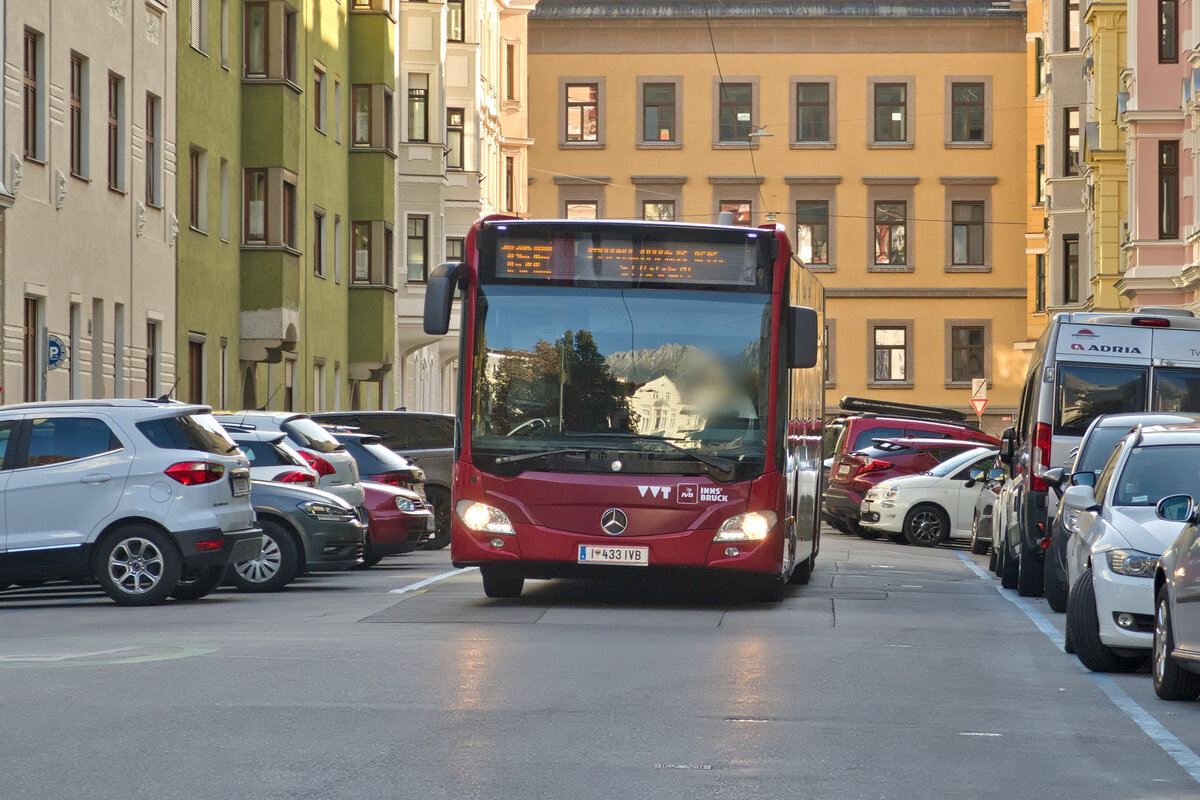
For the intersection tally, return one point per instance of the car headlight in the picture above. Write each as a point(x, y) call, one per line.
point(482, 518)
point(871, 496)
point(1071, 521)
point(327, 512)
point(404, 504)
point(891, 492)
point(752, 527)
point(1132, 563)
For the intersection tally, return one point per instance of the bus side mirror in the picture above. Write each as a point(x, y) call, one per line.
point(803, 337)
point(439, 297)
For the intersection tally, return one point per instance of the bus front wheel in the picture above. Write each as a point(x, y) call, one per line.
point(499, 582)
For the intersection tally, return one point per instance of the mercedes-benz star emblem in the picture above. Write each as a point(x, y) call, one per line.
point(614, 521)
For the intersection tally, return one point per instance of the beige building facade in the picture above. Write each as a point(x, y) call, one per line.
point(89, 157)
point(892, 149)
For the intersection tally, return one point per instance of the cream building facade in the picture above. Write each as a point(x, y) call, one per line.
point(89, 157)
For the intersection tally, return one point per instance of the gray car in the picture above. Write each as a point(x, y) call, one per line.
point(304, 530)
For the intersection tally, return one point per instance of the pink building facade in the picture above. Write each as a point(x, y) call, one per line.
point(1161, 117)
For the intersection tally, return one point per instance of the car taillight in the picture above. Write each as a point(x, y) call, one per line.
point(1040, 457)
point(296, 476)
point(394, 478)
point(873, 465)
point(319, 465)
point(194, 473)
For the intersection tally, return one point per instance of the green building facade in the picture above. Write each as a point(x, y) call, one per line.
point(285, 261)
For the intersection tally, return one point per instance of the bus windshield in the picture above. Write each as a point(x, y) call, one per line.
point(569, 368)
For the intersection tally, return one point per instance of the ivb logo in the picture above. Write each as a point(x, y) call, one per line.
point(687, 494)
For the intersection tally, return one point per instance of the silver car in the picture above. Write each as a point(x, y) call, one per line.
point(337, 472)
point(1176, 653)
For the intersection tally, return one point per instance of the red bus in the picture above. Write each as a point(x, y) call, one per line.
point(634, 396)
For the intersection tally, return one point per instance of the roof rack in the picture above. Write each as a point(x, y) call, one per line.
point(863, 405)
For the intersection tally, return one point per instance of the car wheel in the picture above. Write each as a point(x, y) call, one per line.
point(439, 498)
point(369, 557)
point(500, 582)
point(840, 526)
point(137, 566)
point(275, 567)
point(1029, 573)
point(1171, 682)
point(1053, 585)
point(979, 547)
point(194, 584)
point(926, 526)
point(1009, 568)
point(863, 532)
point(993, 558)
point(1084, 629)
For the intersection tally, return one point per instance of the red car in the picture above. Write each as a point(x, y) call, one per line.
point(399, 521)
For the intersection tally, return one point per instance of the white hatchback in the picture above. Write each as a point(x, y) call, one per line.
point(929, 508)
point(150, 498)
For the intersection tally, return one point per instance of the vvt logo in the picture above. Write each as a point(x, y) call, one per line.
point(656, 491)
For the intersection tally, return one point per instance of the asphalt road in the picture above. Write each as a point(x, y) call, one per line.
point(897, 673)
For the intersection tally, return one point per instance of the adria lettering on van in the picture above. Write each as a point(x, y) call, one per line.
point(1107, 341)
point(1106, 348)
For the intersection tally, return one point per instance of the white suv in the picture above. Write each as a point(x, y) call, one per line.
point(150, 498)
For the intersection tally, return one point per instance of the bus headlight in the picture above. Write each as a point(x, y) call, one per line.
point(483, 518)
point(750, 527)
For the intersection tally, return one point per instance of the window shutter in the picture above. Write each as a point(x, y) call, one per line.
point(197, 22)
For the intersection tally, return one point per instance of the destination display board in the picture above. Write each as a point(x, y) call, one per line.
point(622, 258)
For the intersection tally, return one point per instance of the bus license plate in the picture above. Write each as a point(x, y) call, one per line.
point(633, 556)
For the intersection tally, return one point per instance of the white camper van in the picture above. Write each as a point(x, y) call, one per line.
point(1085, 364)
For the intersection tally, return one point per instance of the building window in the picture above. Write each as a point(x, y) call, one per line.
point(318, 98)
point(389, 264)
point(891, 232)
point(73, 322)
point(742, 211)
point(418, 107)
point(735, 115)
point(289, 384)
point(33, 120)
point(658, 112)
point(455, 118)
point(1168, 190)
point(658, 210)
point(1039, 295)
point(812, 231)
point(967, 234)
point(153, 151)
point(510, 72)
point(891, 112)
point(255, 222)
point(418, 248)
point(318, 385)
point(1039, 66)
point(890, 350)
point(197, 189)
point(812, 112)
point(362, 115)
point(290, 63)
point(225, 33)
point(1070, 285)
point(456, 249)
point(582, 209)
point(967, 353)
point(255, 55)
point(31, 334)
point(510, 183)
point(151, 359)
point(455, 31)
point(198, 25)
point(1070, 142)
point(1071, 25)
point(224, 210)
point(195, 371)
point(116, 132)
point(361, 235)
point(967, 112)
point(1039, 180)
point(337, 248)
point(223, 371)
point(289, 214)
point(1168, 35)
point(337, 111)
point(318, 254)
point(389, 136)
point(79, 116)
point(582, 112)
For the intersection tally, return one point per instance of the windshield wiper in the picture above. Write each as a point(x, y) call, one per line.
point(716, 462)
point(530, 456)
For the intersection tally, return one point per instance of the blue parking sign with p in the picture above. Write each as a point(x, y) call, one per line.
point(56, 352)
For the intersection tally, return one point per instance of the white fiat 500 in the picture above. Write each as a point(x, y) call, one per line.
point(929, 508)
point(1116, 539)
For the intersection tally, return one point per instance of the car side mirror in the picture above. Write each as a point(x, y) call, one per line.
point(1008, 441)
point(439, 297)
point(996, 474)
point(1053, 477)
point(976, 474)
point(1084, 478)
point(1176, 508)
point(802, 340)
point(1080, 497)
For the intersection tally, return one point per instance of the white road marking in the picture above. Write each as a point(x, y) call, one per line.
point(412, 587)
point(1169, 742)
point(971, 565)
point(978, 733)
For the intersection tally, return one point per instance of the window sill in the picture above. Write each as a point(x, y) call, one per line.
point(33, 160)
point(198, 50)
point(358, 148)
point(888, 268)
point(890, 145)
point(272, 248)
point(320, 275)
point(964, 384)
point(118, 190)
point(822, 268)
point(830, 384)
point(735, 145)
point(368, 285)
point(154, 206)
point(256, 80)
point(200, 231)
point(968, 145)
point(890, 385)
point(375, 12)
point(813, 145)
point(659, 145)
point(79, 177)
point(581, 145)
point(968, 268)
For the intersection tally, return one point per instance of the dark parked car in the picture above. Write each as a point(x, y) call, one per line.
point(424, 438)
point(381, 464)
